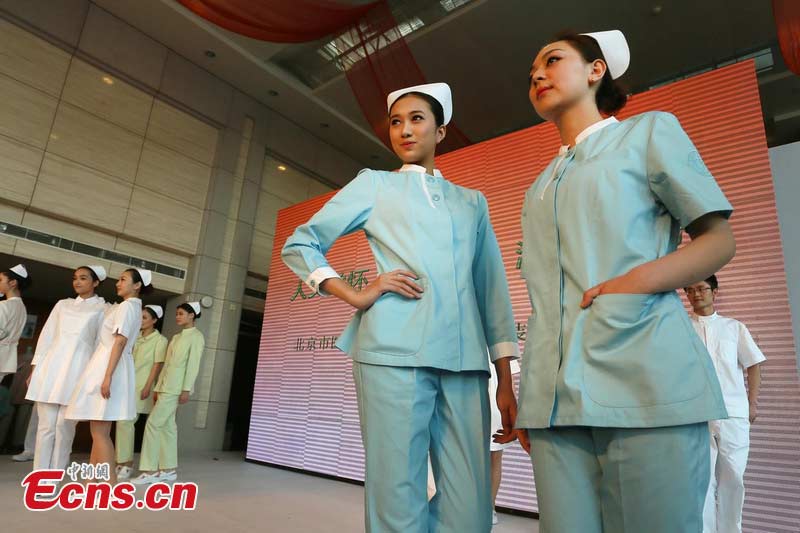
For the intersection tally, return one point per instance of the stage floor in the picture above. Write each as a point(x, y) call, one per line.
point(234, 496)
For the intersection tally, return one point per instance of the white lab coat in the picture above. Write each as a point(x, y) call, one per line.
point(732, 350)
point(12, 321)
point(65, 344)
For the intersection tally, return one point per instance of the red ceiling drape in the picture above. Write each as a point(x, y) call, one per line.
point(373, 50)
point(385, 64)
point(279, 21)
point(787, 22)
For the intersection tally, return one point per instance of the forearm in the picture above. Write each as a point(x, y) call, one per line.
point(503, 368)
point(340, 289)
point(116, 354)
point(712, 247)
point(753, 383)
point(153, 377)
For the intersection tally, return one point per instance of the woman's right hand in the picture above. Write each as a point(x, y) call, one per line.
point(398, 281)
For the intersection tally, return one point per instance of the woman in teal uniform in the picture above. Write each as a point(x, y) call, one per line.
point(615, 390)
point(419, 338)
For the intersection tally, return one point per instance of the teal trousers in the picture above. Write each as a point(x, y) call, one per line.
point(621, 480)
point(404, 413)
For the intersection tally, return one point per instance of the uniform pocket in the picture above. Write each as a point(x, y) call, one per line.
point(638, 353)
point(395, 325)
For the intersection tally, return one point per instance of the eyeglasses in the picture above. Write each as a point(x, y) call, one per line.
point(690, 291)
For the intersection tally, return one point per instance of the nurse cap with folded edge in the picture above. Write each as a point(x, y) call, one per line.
point(615, 50)
point(157, 309)
point(195, 306)
point(99, 271)
point(20, 271)
point(146, 275)
point(438, 91)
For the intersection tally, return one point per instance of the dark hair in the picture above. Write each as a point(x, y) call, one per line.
point(6, 381)
point(189, 309)
point(137, 278)
point(610, 96)
point(436, 107)
point(91, 272)
point(712, 282)
point(22, 283)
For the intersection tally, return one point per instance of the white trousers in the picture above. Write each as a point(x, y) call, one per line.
point(53, 437)
point(30, 433)
point(730, 445)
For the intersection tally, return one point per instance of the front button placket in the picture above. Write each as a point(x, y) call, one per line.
point(556, 177)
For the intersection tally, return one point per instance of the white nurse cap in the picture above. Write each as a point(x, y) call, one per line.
point(157, 309)
point(195, 306)
point(20, 271)
point(439, 91)
point(615, 50)
point(146, 275)
point(99, 271)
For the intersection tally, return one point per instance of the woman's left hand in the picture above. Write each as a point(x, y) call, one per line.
point(625, 284)
point(184, 397)
point(105, 388)
point(507, 405)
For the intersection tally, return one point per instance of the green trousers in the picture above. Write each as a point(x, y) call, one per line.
point(160, 444)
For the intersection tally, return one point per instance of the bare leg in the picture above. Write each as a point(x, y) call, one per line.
point(103, 447)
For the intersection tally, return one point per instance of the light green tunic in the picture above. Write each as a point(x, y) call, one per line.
point(146, 352)
point(182, 362)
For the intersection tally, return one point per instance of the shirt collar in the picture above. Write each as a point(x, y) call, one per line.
point(420, 168)
point(597, 126)
point(710, 318)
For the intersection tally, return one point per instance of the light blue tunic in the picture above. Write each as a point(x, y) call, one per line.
point(616, 200)
point(442, 233)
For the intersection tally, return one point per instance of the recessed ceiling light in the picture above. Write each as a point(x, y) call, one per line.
point(108, 80)
point(657, 9)
point(282, 168)
point(210, 53)
point(272, 92)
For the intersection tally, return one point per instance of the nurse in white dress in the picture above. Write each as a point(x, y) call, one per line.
point(107, 390)
point(12, 315)
point(67, 340)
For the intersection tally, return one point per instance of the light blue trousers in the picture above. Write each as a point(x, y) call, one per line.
point(404, 413)
point(620, 480)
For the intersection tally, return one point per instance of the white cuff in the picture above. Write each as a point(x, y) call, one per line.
point(316, 278)
point(504, 349)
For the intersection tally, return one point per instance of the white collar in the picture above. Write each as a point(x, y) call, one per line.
point(80, 299)
point(700, 318)
point(597, 126)
point(420, 168)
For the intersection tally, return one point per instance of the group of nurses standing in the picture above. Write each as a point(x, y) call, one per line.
point(615, 388)
point(91, 363)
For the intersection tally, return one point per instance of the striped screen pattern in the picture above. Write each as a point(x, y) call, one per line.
point(304, 407)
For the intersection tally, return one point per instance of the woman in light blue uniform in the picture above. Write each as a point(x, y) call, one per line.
point(615, 390)
point(419, 338)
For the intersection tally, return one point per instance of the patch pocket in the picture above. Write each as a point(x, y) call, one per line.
point(637, 354)
point(396, 325)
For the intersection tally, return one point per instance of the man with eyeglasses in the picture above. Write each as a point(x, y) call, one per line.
point(732, 350)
